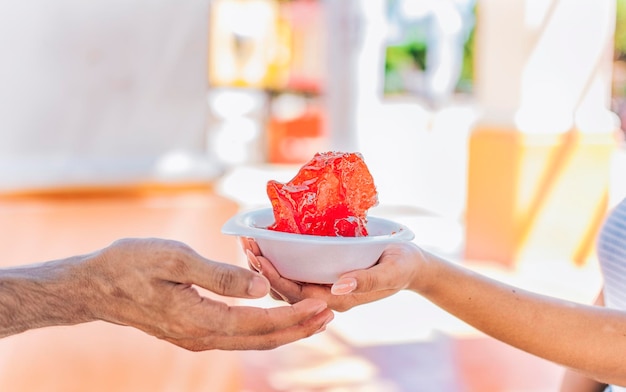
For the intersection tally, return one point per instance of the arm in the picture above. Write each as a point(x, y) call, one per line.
point(574, 381)
point(588, 339)
point(149, 284)
point(43, 295)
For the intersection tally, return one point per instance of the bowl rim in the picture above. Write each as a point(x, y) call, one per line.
point(237, 226)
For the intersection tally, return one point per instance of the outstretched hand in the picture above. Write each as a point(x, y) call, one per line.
point(393, 272)
point(150, 284)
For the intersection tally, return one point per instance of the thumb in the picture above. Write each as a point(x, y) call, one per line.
point(356, 282)
point(232, 281)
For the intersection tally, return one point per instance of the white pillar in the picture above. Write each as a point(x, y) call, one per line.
point(355, 66)
point(545, 65)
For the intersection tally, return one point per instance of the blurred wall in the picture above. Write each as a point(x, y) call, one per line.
point(102, 92)
point(541, 153)
point(545, 66)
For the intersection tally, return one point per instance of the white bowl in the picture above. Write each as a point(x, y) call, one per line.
point(311, 258)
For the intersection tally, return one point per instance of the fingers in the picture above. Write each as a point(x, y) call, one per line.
point(245, 320)
point(245, 245)
point(175, 312)
point(249, 244)
point(306, 328)
point(358, 282)
point(278, 296)
point(272, 338)
point(377, 282)
point(352, 289)
point(250, 328)
point(393, 271)
point(279, 284)
point(228, 280)
point(345, 285)
point(282, 289)
point(176, 262)
point(253, 262)
point(391, 274)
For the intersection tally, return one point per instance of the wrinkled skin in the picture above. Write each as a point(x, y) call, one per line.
point(154, 285)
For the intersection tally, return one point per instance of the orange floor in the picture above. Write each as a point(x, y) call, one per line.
point(99, 356)
point(401, 344)
point(381, 348)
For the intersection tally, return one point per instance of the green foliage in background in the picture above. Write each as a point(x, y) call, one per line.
point(412, 53)
point(409, 56)
point(620, 30)
point(467, 71)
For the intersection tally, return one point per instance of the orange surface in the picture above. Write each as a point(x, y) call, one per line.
point(296, 140)
point(103, 357)
point(535, 195)
point(487, 365)
point(99, 356)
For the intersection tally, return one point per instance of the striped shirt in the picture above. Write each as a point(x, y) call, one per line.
point(611, 249)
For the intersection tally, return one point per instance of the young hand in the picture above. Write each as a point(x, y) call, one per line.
point(394, 271)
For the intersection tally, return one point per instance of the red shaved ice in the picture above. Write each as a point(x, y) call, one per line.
point(329, 196)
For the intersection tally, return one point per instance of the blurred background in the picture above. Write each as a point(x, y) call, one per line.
point(495, 130)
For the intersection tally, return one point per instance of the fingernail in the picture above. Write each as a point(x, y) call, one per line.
point(254, 246)
point(258, 287)
point(252, 259)
point(320, 308)
point(343, 286)
point(321, 329)
point(279, 297)
point(243, 242)
point(326, 322)
point(253, 267)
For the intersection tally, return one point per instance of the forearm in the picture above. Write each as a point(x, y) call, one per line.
point(575, 382)
point(52, 293)
point(589, 339)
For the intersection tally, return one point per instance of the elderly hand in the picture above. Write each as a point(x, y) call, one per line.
point(394, 271)
point(150, 284)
